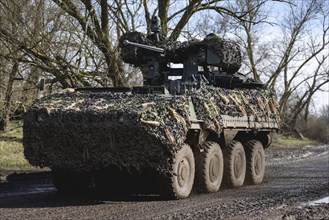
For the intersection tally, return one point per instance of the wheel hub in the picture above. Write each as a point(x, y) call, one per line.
point(183, 172)
point(213, 169)
point(258, 163)
point(238, 165)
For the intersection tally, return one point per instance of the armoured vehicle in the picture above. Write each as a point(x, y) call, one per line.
point(194, 127)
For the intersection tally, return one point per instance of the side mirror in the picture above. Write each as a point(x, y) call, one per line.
point(42, 84)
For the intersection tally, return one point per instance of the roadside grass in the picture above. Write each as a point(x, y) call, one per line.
point(13, 130)
point(292, 142)
point(12, 157)
point(11, 150)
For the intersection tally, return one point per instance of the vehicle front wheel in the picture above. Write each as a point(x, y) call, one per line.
point(178, 184)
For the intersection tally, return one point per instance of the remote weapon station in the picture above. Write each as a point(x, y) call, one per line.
point(197, 127)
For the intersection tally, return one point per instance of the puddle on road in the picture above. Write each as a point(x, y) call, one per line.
point(324, 200)
point(29, 192)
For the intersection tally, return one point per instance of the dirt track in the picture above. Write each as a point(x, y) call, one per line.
point(293, 177)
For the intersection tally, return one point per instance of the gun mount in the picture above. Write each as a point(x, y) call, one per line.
point(152, 48)
point(212, 61)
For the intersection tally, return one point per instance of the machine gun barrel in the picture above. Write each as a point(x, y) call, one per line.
point(152, 48)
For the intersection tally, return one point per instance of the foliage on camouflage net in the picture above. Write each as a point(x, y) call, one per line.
point(228, 50)
point(86, 130)
point(211, 102)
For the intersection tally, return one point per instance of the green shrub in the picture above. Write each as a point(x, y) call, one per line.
point(11, 149)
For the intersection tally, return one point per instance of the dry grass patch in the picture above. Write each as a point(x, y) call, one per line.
point(291, 142)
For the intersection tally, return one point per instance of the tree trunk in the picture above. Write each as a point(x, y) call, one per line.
point(6, 111)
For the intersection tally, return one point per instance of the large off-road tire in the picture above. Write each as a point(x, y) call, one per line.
point(255, 162)
point(209, 168)
point(234, 164)
point(178, 185)
point(70, 182)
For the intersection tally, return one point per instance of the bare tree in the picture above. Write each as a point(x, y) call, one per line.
point(303, 66)
point(74, 43)
point(28, 37)
point(10, 67)
point(104, 22)
point(294, 62)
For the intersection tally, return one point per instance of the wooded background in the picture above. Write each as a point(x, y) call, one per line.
point(74, 43)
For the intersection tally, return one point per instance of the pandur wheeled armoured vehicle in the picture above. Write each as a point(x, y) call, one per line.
point(185, 128)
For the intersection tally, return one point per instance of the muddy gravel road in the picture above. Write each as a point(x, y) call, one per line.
point(294, 178)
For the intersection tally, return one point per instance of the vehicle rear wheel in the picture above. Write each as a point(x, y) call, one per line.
point(234, 164)
point(209, 168)
point(178, 184)
point(255, 162)
point(71, 182)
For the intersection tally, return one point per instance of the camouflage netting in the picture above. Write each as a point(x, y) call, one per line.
point(227, 50)
point(129, 53)
point(211, 103)
point(175, 51)
point(88, 131)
